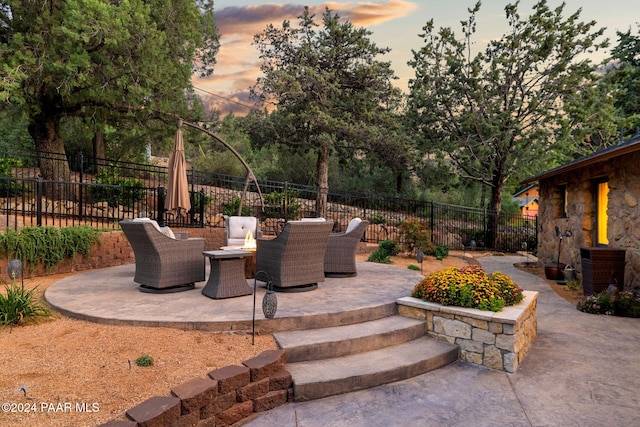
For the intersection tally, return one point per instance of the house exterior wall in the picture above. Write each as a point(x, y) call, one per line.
point(578, 214)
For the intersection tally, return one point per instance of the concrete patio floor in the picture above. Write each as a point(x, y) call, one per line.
point(582, 370)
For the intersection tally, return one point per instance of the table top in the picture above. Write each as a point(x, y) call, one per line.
point(232, 253)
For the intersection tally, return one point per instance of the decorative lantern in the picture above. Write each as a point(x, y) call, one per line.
point(269, 301)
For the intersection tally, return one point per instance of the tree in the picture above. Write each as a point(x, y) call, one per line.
point(331, 94)
point(494, 114)
point(98, 59)
point(625, 76)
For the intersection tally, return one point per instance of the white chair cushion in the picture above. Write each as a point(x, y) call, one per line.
point(167, 232)
point(240, 225)
point(164, 230)
point(353, 224)
point(313, 219)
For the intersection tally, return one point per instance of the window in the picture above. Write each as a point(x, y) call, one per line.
point(559, 197)
point(602, 204)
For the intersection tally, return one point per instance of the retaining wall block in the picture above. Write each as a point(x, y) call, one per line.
point(157, 411)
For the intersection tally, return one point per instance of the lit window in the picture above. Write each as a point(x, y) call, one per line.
point(602, 203)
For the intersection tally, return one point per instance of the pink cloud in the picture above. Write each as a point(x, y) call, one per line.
point(237, 61)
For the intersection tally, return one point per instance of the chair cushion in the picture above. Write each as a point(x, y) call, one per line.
point(164, 230)
point(353, 224)
point(167, 232)
point(320, 219)
point(238, 226)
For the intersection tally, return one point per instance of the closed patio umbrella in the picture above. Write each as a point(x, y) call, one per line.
point(177, 199)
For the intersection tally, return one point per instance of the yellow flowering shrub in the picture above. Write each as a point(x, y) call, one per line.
point(469, 287)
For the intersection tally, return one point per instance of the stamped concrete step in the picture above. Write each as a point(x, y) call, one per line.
point(315, 344)
point(329, 377)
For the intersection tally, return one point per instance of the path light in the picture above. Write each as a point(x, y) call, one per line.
point(14, 269)
point(269, 303)
point(420, 256)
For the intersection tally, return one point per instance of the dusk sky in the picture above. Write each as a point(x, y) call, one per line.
point(393, 23)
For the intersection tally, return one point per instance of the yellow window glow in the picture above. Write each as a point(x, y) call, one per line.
point(603, 203)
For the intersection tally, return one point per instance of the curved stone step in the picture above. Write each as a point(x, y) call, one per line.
point(315, 344)
point(328, 377)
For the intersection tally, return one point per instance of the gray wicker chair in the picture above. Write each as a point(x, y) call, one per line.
point(294, 259)
point(340, 256)
point(164, 264)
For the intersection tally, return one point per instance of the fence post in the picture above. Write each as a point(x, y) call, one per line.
point(160, 206)
point(39, 200)
point(81, 187)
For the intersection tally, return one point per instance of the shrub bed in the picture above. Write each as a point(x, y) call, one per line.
point(623, 304)
point(469, 287)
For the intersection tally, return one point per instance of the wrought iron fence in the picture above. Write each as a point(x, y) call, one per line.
point(101, 204)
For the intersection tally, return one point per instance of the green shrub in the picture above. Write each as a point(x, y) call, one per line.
point(200, 200)
point(441, 252)
point(116, 190)
point(21, 306)
point(469, 287)
point(282, 205)
point(9, 188)
point(48, 245)
point(145, 360)
point(386, 249)
point(416, 234)
point(231, 208)
point(377, 219)
point(413, 267)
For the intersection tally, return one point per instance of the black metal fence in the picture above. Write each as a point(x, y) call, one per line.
point(102, 192)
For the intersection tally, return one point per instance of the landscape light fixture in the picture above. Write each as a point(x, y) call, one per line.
point(15, 271)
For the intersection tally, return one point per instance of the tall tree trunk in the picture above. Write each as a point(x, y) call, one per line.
point(52, 158)
point(323, 180)
point(98, 150)
point(494, 210)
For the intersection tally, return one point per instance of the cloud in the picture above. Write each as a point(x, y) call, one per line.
point(237, 61)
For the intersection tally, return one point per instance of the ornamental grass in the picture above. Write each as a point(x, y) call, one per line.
point(469, 287)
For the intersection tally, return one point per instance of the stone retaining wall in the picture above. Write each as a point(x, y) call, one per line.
point(494, 340)
point(227, 396)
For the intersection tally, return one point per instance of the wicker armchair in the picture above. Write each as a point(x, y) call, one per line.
point(294, 259)
point(164, 264)
point(340, 256)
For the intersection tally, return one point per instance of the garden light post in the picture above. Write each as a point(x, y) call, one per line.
point(420, 257)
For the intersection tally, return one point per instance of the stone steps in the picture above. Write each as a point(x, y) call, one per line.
point(335, 360)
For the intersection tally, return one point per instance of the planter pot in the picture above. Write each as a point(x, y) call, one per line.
point(554, 272)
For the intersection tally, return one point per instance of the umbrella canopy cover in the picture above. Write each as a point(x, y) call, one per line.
point(177, 199)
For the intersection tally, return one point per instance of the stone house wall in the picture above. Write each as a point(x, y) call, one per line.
point(623, 174)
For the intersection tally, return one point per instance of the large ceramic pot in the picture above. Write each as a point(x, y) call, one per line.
point(554, 272)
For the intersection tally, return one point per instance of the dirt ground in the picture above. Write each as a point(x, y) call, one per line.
point(67, 372)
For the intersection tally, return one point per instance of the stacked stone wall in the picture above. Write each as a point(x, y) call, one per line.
point(495, 340)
